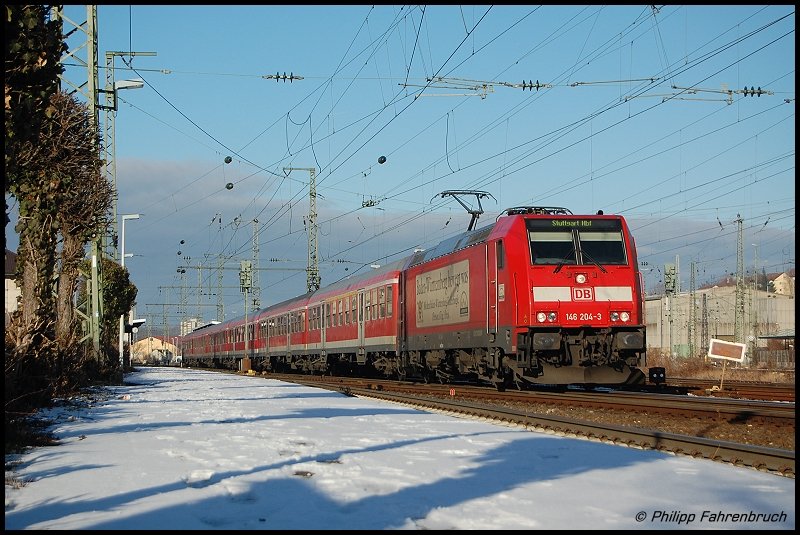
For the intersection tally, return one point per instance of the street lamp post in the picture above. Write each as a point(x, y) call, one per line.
point(122, 317)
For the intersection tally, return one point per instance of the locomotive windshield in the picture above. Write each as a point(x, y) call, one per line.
point(576, 241)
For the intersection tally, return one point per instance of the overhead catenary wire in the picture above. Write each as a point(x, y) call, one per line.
point(299, 197)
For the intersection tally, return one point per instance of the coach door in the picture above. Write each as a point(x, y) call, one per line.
point(288, 324)
point(360, 319)
point(324, 312)
point(267, 333)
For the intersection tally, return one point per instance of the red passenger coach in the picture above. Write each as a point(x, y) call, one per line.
point(539, 296)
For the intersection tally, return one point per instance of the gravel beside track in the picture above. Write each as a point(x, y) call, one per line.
point(742, 433)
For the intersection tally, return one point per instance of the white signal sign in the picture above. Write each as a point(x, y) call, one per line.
point(720, 349)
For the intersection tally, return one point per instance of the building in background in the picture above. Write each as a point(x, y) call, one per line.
point(156, 350)
point(682, 324)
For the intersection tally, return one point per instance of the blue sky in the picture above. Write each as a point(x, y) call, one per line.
point(631, 117)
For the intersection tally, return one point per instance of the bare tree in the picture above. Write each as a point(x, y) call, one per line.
point(86, 205)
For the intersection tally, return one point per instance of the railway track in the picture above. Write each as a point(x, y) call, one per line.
point(740, 410)
point(517, 410)
point(738, 389)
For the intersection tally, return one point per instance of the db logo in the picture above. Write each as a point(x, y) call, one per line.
point(582, 294)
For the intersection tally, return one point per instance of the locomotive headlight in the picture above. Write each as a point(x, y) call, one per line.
point(551, 316)
point(625, 316)
point(580, 278)
point(540, 317)
point(614, 316)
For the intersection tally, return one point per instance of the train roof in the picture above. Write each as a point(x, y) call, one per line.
point(450, 245)
point(375, 272)
point(473, 237)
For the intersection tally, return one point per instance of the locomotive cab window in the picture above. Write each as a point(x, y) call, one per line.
point(602, 247)
point(552, 247)
point(564, 242)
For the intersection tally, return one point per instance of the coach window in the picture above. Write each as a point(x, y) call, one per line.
point(374, 303)
point(347, 311)
point(328, 314)
point(389, 301)
point(341, 322)
point(367, 303)
point(501, 255)
point(382, 301)
point(353, 301)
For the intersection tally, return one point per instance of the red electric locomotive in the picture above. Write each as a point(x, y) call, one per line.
point(541, 296)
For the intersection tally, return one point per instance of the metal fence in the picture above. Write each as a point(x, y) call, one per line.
point(781, 359)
